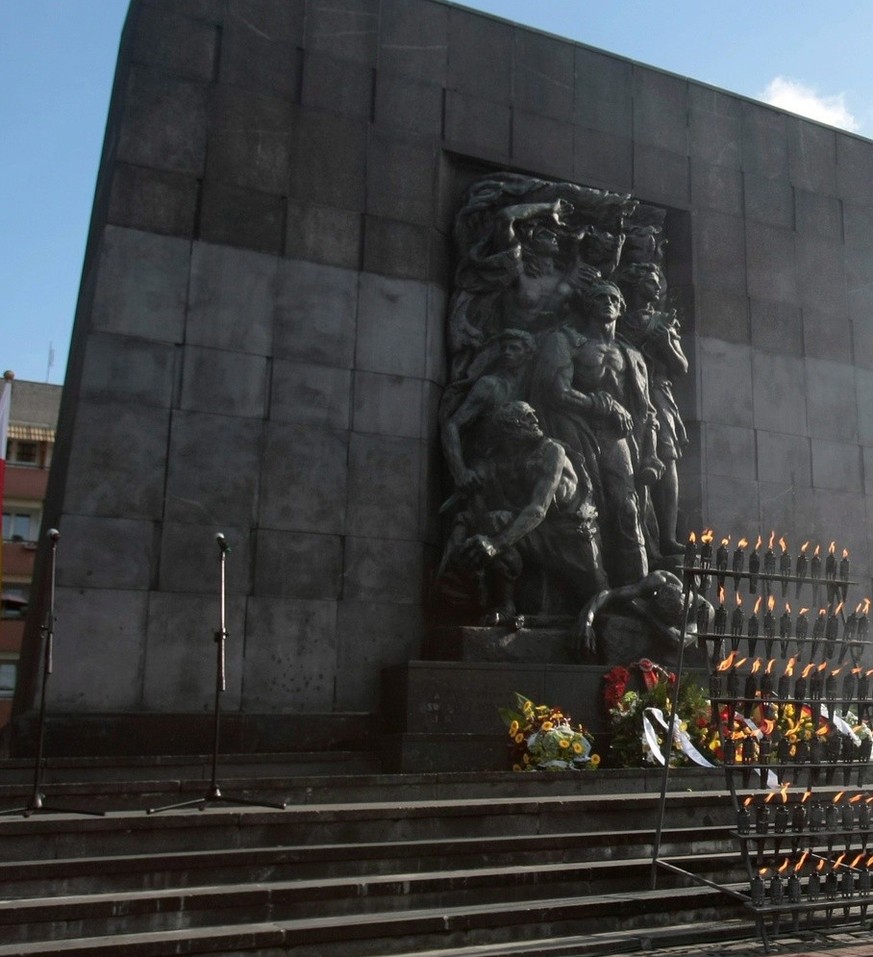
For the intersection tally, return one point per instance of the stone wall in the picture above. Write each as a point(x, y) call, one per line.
point(259, 349)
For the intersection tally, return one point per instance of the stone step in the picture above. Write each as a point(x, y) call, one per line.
point(410, 930)
point(222, 826)
point(68, 876)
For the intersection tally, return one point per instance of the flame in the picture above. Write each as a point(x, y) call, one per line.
point(803, 611)
point(784, 792)
point(823, 730)
point(856, 798)
point(769, 668)
point(869, 861)
point(868, 673)
point(838, 609)
point(748, 801)
point(839, 860)
point(772, 539)
point(803, 548)
point(832, 548)
point(707, 537)
point(784, 867)
point(845, 553)
point(821, 864)
point(836, 671)
point(742, 661)
point(763, 872)
point(789, 668)
point(858, 607)
point(816, 552)
point(692, 538)
point(806, 796)
point(739, 600)
point(727, 662)
point(770, 797)
point(838, 797)
point(822, 667)
point(721, 594)
point(757, 605)
point(787, 608)
point(822, 612)
point(771, 603)
point(866, 605)
point(857, 671)
point(856, 861)
point(726, 541)
point(756, 666)
point(801, 862)
point(758, 543)
point(807, 669)
point(742, 543)
point(783, 545)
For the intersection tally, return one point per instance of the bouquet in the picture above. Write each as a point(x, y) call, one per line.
point(543, 739)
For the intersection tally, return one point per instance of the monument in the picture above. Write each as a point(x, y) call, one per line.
point(433, 339)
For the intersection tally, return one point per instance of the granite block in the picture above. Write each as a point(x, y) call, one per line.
point(235, 216)
point(142, 283)
point(212, 11)
point(310, 394)
point(721, 252)
point(660, 110)
point(97, 552)
point(859, 281)
point(831, 409)
point(337, 85)
point(414, 40)
point(854, 169)
point(392, 323)
point(722, 315)
point(385, 634)
point(838, 517)
point(857, 224)
point(180, 657)
point(769, 201)
point(409, 105)
point(348, 31)
point(604, 93)
point(98, 650)
point(233, 383)
point(729, 450)
point(867, 466)
point(731, 504)
point(717, 187)
point(254, 60)
point(603, 158)
point(200, 486)
point(433, 492)
point(783, 458)
point(323, 235)
point(771, 263)
point(401, 178)
point(862, 342)
point(387, 404)
point(153, 200)
point(110, 473)
point(790, 512)
point(290, 655)
point(480, 55)
point(430, 403)
point(121, 368)
point(383, 570)
point(827, 336)
point(864, 392)
point(780, 388)
point(661, 175)
point(776, 327)
point(707, 99)
point(328, 160)
point(812, 156)
point(836, 465)
point(765, 141)
point(266, 18)
point(304, 476)
point(544, 74)
point(819, 215)
point(393, 248)
point(249, 140)
point(474, 125)
point(315, 313)
point(821, 274)
point(175, 43)
point(298, 564)
point(714, 137)
point(189, 558)
point(435, 338)
point(231, 300)
point(164, 124)
point(542, 143)
point(725, 375)
point(383, 486)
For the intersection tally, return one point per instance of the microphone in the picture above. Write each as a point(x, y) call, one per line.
point(221, 541)
point(53, 534)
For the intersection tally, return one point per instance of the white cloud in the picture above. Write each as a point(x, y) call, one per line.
point(796, 97)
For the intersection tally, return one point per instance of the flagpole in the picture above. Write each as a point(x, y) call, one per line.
point(5, 404)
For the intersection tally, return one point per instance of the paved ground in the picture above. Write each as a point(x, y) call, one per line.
point(837, 944)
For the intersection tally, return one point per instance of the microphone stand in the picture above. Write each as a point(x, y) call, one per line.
point(213, 794)
point(36, 804)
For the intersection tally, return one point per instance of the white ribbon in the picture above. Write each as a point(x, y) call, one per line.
point(680, 738)
point(757, 734)
point(845, 728)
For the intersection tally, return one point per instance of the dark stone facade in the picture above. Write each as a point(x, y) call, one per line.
point(259, 344)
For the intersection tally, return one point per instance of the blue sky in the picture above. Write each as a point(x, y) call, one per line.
point(57, 59)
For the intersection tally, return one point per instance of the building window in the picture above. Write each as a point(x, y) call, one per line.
point(8, 677)
point(14, 601)
point(21, 524)
point(22, 453)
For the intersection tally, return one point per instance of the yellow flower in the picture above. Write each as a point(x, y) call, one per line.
point(577, 747)
point(526, 758)
point(547, 726)
point(513, 729)
point(519, 738)
point(563, 743)
point(594, 759)
point(517, 767)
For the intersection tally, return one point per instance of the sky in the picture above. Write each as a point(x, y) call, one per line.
point(57, 60)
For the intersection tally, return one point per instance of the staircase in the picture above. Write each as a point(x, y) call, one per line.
point(455, 865)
